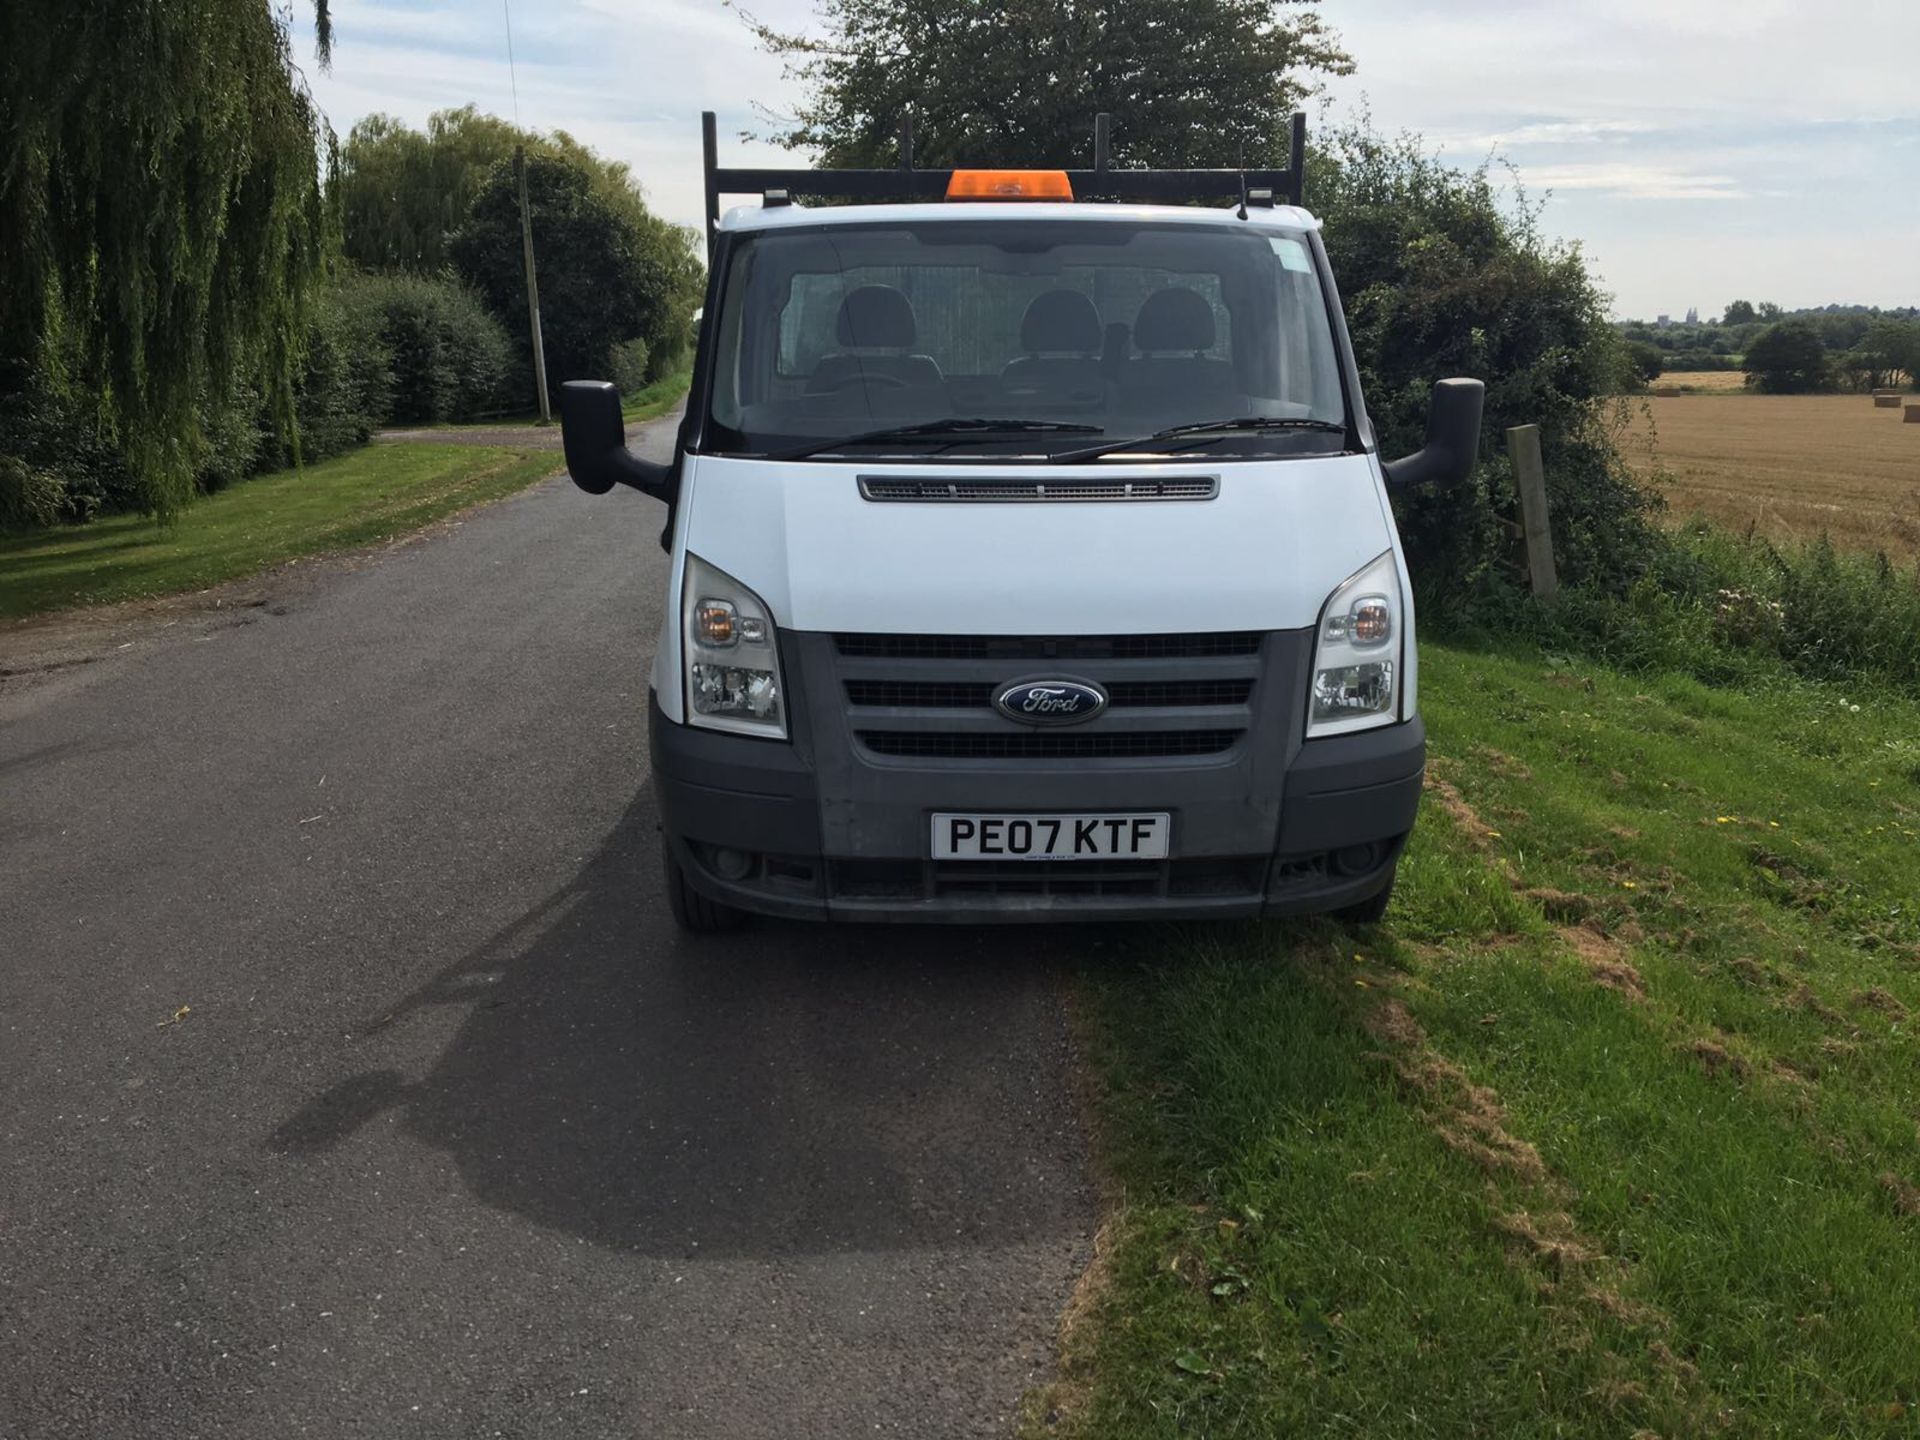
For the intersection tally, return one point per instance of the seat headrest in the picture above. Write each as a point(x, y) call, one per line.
point(1174, 319)
point(875, 317)
point(1061, 320)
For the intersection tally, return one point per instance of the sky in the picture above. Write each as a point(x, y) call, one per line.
point(1700, 151)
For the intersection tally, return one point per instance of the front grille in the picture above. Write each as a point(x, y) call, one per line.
point(962, 695)
point(1082, 745)
point(1141, 693)
point(1045, 647)
point(920, 694)
point(1174, 697)
point(991, 491)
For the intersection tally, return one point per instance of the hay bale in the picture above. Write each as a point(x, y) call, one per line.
point(1913, 415)
point(1886, 402)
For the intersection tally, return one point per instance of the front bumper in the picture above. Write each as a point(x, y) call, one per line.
point(767, 827)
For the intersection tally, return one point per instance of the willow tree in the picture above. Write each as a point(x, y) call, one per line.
point(161, 214)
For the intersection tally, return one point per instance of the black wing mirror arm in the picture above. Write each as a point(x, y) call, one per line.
point(1453, 438)
point(595, 437)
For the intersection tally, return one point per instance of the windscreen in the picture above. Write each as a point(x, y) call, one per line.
point(1062, 332)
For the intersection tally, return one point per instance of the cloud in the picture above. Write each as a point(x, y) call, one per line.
point(1634, 182)
point(1565, 132)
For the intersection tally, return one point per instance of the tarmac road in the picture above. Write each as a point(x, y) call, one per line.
point(453, 1134)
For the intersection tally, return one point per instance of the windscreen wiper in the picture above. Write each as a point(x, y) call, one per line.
point(958, 428)
point(1204, 430)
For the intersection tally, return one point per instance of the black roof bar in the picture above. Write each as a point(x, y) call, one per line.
point(1102, 182)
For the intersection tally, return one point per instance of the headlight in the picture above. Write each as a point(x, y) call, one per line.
point(733, 664)
point(1356, 653)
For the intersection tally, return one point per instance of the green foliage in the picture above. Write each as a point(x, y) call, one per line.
point(1695, 360)
point(403, 192)
point(65, 463)
point(232, 436)
point(1864, 346)
point(1723, 607)
point(1788, 358)
point(627, 367)
point(1646, 361)
point(1200, 82)
point(1438, 278)
point(1888, 349)
point(29, 497)
point(406, 192)
point(62, 463)
point(597, 287)
point(448, 358)
point(345, 386)
point(161, 221)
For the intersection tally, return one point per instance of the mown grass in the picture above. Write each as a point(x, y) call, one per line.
point(1615, 1125)
point(368, 495)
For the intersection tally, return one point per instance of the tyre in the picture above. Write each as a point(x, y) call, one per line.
point(692, 911)
point(1370, 911)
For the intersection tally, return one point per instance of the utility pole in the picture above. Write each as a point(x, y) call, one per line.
point(533, 285)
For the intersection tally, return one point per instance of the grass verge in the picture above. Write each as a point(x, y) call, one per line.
point(1611, 1130)
point(371, 494)
point(658, 398)
point(648, 403)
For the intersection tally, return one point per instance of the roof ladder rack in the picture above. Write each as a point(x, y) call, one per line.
point(908, 182)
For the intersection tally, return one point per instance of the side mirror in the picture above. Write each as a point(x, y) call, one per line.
point(1453, 437)
point(595, 437)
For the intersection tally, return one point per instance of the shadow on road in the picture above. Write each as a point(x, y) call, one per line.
point(790, 1089)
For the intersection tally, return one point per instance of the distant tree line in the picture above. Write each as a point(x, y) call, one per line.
point(1837, 347)
point(198, 282)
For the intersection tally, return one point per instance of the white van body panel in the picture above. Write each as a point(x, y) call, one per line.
point(1409, 651)
point(1263, 555)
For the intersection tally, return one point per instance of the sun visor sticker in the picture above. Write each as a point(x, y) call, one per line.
point(1293, 255)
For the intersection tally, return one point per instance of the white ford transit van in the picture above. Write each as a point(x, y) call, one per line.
point(1031, 556)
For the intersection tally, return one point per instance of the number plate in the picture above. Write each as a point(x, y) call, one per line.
point(1051, 837)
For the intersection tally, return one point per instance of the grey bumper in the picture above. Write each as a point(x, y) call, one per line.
point(825, 828)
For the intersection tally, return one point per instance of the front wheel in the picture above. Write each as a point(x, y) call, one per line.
point(692, 911)
point(1370, 911)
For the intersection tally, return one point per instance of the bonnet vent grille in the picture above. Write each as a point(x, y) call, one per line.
point(992, 491)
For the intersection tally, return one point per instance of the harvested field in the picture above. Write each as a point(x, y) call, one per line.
point(1709, 382)
point(1790, 465)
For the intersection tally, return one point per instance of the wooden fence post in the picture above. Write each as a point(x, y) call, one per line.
point(1530, 478)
